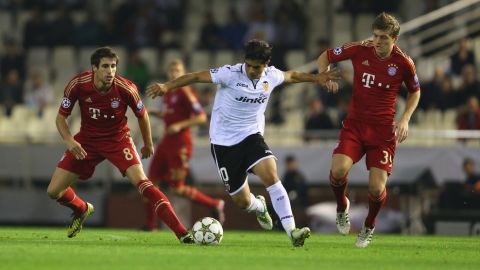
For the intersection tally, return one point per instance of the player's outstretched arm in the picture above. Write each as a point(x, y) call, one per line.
point(160, 89)
point(195, 120)
point(401, 127)
point(321, 78)
point(324, 64)
point(144, 124)
point(73, 146)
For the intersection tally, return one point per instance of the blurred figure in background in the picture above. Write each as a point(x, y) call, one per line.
point(137, 70)
point(38, 93)
point(295, 183)
point(170, 163)
point(11, 91)
point(317, 119)
point(464, 56)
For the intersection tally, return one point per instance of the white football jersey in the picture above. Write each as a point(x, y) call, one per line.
point(240, 103)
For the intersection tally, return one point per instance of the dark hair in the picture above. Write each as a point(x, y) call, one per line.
point(290, 158)
point(387, 22)
point(258, 50)
point(103, 52)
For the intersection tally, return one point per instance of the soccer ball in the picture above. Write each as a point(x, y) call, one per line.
point(207, 231)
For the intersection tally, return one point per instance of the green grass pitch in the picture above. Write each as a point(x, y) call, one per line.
point(93, 248)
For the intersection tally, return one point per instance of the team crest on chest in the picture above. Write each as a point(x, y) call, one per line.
point(392, 69)
point(115, 103)
point(265, 85)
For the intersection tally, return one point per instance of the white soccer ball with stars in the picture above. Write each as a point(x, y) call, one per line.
point(207, 231)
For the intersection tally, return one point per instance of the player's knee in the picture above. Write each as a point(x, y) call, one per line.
point(376, 191)
point(339, 172)
point(53, 194)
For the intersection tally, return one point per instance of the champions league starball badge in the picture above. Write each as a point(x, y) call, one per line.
point(337, 51)
point(66, 103)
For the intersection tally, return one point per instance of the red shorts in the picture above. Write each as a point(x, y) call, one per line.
point(378, 142)
point(122, 154)
point(170, 162)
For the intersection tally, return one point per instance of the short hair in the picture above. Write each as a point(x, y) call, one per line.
point(258, 50)
point(289, 158)
point(387, 22)
point(103, 52)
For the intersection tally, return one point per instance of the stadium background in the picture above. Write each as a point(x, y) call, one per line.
point(54, 40)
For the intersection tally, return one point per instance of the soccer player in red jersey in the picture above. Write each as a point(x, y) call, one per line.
point(103, 98)
point(180, 111)
point(369, 129)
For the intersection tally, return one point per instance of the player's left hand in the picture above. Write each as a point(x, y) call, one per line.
point(174, 129)
point(147, 151)
point(401, 130)
point(156, 89)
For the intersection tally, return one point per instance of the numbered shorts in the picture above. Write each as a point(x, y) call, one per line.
point(377, 142)
point(170, 163)
point(236, 161)
point(122, 154)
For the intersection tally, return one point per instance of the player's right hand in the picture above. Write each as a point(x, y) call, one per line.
point(328, 80)
point(156, 89)
point(76, 149)
point(146, 151)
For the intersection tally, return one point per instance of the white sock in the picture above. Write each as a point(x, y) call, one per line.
point(281, 204)
point(255, 204)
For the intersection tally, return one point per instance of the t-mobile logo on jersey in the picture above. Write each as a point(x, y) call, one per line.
point(367, 79)
point(94, 113)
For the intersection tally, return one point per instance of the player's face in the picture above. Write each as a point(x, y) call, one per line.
point(105, 72)
point(383, 43)
point(254, 68)
point(175, 71)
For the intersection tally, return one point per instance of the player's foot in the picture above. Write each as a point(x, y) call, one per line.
point(77, 221)
point(263, 217)
point(219, 213)
point(186, 238)
point(364, 237)
point(298, 236)
point(343, 222)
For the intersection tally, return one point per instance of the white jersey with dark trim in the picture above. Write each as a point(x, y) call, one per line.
point(240, 103)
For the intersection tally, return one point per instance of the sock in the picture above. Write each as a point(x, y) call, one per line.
point(72, 201)
point(374, 206)
point(281, 204)
point(161, 206)
point(150, 222)
point(200, 197)
point(255, 205)
point(339, 185)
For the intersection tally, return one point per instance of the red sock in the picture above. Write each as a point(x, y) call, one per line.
point(161, 206)
point(72, 201)
point(339, 185)
point(374, 206)
point(150, 215)
point(200, 197)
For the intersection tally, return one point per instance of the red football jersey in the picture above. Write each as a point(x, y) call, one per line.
point(179, 105)
point(376, 82)
point(103, 115)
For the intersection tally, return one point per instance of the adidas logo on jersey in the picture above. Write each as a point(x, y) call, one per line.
point(258, 100)
point(89, 100)
point(365, 63)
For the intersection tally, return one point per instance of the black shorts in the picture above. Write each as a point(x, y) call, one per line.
point(236, 161)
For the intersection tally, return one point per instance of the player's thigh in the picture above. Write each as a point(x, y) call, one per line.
point(135, 174)
point(341, 165)
point(60, 181)
point(266, 170)
point(123, 155)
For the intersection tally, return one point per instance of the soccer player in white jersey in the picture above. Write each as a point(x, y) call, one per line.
point(237, 127)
